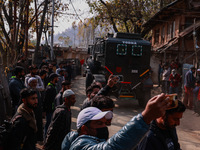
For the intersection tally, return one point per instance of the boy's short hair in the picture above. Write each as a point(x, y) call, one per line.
point(180, 108)
point(42, 72)
point(18, 69)
point(66, 82)
point(26, 92)
point(102, 102)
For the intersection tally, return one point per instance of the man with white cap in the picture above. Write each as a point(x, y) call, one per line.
point(61, 122)
point(93, 132)
point(33, 73)
point(32, 84)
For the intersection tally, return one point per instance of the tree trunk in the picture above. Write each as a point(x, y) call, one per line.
point(126, 25)
point(5, 99)
point(35, 61)
point(110, 15)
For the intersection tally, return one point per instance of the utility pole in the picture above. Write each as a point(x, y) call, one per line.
point(36, 17)
point(195, 44)
point(52, 29)
point(26, 28)
point(74, 37)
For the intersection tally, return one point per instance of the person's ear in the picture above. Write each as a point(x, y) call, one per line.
point(163, 118)
point(23, 100)
point(65, 99)
point(84, 130)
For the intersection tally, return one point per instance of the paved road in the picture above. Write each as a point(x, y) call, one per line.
point(188, 131)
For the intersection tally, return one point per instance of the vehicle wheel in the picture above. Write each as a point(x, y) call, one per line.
point(146, 95)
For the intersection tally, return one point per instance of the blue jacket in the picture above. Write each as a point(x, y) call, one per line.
point(127, 138)
point(189, 79)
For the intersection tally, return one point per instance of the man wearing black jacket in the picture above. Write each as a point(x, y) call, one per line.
point(23, 132)
point(162, 134)
point(61, 122)
point(58, 99)
point(15, 86)
point(50, 94)
point(96, 90)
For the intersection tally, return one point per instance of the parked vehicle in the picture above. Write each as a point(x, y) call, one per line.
point(126, 56)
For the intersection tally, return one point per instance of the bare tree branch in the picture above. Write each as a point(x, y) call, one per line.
point(110, 15)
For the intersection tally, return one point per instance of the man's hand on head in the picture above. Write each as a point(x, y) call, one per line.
point(155, 108)
point(112, 80)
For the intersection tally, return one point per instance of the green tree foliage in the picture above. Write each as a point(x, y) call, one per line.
point(86, 32)
point(124, 15)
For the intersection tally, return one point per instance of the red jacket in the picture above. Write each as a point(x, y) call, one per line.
point(174, 80)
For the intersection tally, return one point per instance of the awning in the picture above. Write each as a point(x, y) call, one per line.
point(173, 41)
point(167, 45)
point(189, 29)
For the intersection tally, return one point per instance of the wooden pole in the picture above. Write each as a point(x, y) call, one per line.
point(26, 29)
point(195, 44)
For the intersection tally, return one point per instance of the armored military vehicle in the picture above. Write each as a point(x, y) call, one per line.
point(124, 55)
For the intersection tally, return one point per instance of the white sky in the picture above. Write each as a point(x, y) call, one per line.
point(65, 22)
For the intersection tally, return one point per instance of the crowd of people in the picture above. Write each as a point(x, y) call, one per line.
point(170, 78)
point(39, 92)
point(46, 94)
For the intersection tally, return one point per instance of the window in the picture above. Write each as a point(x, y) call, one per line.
point(169, 31)
point(136, 50)
point(173, 30)
point(121, 49)
point(163, 35)
point(156, 36)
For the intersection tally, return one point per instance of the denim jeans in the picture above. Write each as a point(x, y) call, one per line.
point(173, 90)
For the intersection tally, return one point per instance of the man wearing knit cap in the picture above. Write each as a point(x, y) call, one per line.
point(32, 83)
point(61, 122)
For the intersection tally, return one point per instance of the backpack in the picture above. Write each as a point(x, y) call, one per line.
point(5, 132)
